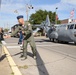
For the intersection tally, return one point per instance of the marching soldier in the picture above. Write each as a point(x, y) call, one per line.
point(28, 36)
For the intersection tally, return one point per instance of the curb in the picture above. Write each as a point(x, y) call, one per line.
point(13, 66)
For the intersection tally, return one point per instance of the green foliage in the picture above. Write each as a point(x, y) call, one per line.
point(12, 73)
point(40, 16)
point(58, 22)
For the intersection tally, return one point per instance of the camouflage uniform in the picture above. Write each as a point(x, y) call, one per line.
point(28, 38)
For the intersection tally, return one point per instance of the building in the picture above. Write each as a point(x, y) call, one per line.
point(64, 21)
point(67, 21)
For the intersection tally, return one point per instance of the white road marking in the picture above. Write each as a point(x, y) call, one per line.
point(49, 45)
point(12, 43)
point(29, 45)
point(4, 43)
point(13, 46)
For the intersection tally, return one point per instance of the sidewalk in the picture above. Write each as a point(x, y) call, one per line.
point(4, 66)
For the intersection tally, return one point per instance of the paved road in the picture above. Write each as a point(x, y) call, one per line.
point(52, 58)
point(44, 43)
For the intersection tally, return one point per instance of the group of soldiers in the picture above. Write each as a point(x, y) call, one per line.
point(26, 31)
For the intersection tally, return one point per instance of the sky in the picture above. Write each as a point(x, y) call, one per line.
point(8, 16)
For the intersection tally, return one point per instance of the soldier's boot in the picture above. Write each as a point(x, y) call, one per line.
point(21, 56)
point(25, 56)
point(34, 55)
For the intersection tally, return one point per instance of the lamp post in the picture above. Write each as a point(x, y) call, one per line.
point(28, 7)
point(56, 15)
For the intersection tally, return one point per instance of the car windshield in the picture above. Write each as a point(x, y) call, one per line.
point(72, 26)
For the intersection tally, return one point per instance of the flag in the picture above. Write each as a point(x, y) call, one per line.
point(57, 17)
point(72, 14)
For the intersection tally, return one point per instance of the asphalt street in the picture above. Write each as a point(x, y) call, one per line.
point(52, 58)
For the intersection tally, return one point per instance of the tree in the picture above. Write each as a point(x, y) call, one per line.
point(40, 16)
point(58, 22)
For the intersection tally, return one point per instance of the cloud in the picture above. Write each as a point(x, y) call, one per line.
point(19, 5)
point(69, 1)
point(9, 6)
point(64, 8)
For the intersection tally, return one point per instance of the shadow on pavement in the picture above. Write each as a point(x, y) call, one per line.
point(41, 66)
point(2, 57)
point(47, 40)
point(67, 43)
point(28, 53)
point(17, 54)
point(42, 40)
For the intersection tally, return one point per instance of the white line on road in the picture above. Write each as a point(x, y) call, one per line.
point(13, 46)
point(49, 45)
point(12, 43)
point(29, 45)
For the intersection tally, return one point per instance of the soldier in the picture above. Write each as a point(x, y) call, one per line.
point(1, 34)
point(28, 36)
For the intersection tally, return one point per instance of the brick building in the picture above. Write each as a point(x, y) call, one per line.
point(64, 21)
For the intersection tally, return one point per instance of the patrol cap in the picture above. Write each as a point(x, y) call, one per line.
point(20, 16)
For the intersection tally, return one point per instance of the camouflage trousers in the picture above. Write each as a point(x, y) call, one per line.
point(32, 45)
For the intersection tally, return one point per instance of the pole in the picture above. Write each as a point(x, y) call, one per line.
point(28, 7)
point(27, 11)
point(56, 15)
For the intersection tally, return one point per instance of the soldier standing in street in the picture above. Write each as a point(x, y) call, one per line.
point(28, 36)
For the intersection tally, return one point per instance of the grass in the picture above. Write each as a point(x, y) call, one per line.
point(12, 73)
point(24, 67)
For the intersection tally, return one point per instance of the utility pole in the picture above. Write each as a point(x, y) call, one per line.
point(28, 7)
point(56, 15)
point(27, 11)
